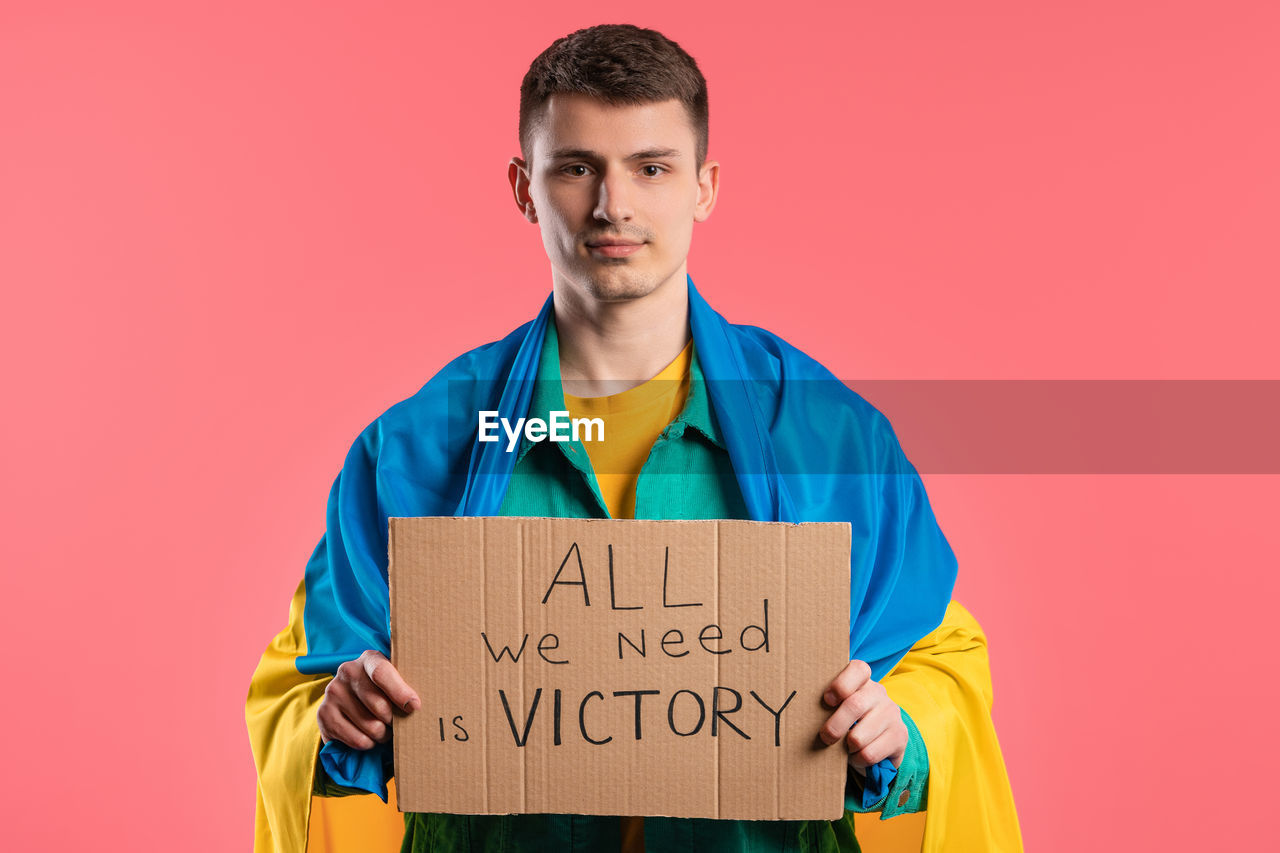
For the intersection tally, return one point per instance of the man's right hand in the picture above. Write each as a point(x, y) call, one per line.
point(359, 702)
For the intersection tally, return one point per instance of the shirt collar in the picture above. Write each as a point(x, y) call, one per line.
point(697, 407)
point(548, 395)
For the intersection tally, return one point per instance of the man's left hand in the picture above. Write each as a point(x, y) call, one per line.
point(879, 733)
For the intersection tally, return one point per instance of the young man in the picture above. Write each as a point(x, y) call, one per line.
point(702, 420)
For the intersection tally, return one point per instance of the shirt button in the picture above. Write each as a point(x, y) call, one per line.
point(902, 799)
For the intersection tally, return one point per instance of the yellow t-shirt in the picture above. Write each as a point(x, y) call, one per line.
point(633, 420)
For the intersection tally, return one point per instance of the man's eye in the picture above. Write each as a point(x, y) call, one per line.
point(652, 171)
point(577, 170)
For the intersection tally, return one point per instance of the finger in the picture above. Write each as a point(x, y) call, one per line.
point(852, 677)
point(868, 729)
point(372, 698)
point(340, 699)
point(848, 713)
point(335, 726)
point(370, 725)
point(383, 674)
point(873, 753)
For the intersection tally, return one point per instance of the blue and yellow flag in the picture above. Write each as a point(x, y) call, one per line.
point(804, 447)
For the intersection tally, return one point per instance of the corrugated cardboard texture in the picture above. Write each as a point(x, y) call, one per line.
point(567, 666)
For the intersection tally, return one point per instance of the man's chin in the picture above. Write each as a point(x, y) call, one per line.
point(619, 289)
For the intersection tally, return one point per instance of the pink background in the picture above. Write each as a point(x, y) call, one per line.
point(231, 237)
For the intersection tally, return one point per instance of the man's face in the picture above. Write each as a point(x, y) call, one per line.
point(615, 191)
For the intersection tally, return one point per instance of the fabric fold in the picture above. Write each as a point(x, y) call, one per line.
point(944, 683)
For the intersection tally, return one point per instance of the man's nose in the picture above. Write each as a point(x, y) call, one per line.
point(613, 199)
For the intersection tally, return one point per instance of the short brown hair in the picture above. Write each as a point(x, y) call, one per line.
point(619, 64)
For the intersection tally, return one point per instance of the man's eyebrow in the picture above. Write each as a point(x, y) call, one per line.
point(584, 154)
point(654, 154)
point(572, 154)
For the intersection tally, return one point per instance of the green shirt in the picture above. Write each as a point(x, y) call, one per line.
point(688, 475)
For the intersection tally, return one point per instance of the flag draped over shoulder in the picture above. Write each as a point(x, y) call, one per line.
point(804, 447)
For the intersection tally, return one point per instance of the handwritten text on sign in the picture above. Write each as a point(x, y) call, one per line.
point(618, 667)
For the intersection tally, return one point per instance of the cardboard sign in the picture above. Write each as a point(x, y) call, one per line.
point(619, 667)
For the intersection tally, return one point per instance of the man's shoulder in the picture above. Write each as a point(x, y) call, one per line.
point(465, 380)
point(771, 356)
point(817, 422)
point(442, 413)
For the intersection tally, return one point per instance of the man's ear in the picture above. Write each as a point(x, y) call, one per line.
point(518, 175)
point(708, 190)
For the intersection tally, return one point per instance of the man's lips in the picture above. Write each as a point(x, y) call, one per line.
point(613, 248)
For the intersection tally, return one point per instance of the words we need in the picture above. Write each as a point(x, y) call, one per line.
point(711, 638)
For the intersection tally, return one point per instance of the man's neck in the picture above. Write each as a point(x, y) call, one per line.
point(610, 347)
